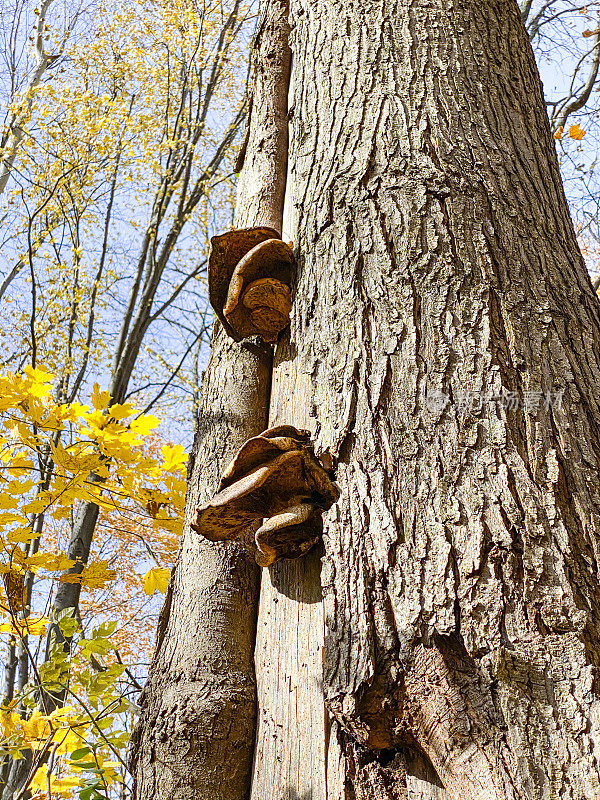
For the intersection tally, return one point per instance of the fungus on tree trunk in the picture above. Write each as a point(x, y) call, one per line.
point(275, 477)
point(249, 274)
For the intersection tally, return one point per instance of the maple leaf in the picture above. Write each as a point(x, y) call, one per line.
point(33, 626)
point(121, 411)
point(576, 132)
point(100, 399)
point(156, 579)
point(94, 576)
point(144, 424)
point(174, 458)
point(41, 381)
point(52, 562)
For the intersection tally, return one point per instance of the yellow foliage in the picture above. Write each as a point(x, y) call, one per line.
point(32, 626)
point(156, 580)
point(93, 576)
point(175, 458)
point(108, 113)
point(100, 399)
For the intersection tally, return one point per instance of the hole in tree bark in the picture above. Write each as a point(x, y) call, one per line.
point(385, 757)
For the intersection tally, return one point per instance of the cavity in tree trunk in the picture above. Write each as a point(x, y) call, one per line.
point(444, 346)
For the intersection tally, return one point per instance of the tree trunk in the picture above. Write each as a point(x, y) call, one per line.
point(437, 259)
point(444, 346)
point(196, 734)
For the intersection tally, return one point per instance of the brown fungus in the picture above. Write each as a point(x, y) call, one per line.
point(290, 534)
point(249, 275)
point(275, 477)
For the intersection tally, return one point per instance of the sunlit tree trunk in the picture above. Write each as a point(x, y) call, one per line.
point(445, 347)
point(196, 735)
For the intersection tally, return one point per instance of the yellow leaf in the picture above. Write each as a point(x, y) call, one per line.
point(41, 381)
point(144, 424)
point(20, 535)
point(8, 722)
point(34, 626)
point(576, 132)
point(18, 465)
point(62, 785)
point(174, 458)
point(7, 502)
point(123, 411)
point(94, 576)
point(20, 487)
point(558, 133)
point(100, 399)
point(82, 461)
point(71, 412)
point(52, 562)
point(156, 579)
point(35, 506)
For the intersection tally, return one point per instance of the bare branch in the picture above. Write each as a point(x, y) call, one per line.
point(579, 102)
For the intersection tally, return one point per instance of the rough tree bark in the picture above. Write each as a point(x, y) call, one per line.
point(196, 734)
point(445, 346)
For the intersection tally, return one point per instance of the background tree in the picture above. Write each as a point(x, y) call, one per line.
point(79, 746)
point(566, 40)
point(444, 347)
point(200, 699)
point(122, 164)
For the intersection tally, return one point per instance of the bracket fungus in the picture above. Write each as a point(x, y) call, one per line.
point(250, 273)
point(276, 478)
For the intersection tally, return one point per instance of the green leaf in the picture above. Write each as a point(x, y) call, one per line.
point(77, 754)
point(104, 630)
point(68, 625)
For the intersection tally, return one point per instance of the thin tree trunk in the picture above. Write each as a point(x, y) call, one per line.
point(197, 729)
point(442, 310)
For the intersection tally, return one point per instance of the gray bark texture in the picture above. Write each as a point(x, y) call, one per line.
point(445, 347)
point(199, 704)
point(436, 255)
point(195, 738)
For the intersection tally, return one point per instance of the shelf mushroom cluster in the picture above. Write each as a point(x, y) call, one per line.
point(276, 478)
point(250, 273)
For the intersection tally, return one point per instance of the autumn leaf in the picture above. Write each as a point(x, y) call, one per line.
point(174, 458)
point(156, 579)
point(153, 507)
point(558, 133)
point(576, 132)
point(144, 424)
point(100, 399)
point(51, 562)
point(14, 585)
point(121, 411)
point(94, 576)
point(40, 381)
point(7, 502)
point(34, 626)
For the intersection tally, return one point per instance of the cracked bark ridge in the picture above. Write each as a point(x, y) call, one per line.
point(250, 273)
point(437, 258)
point(276, 477)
